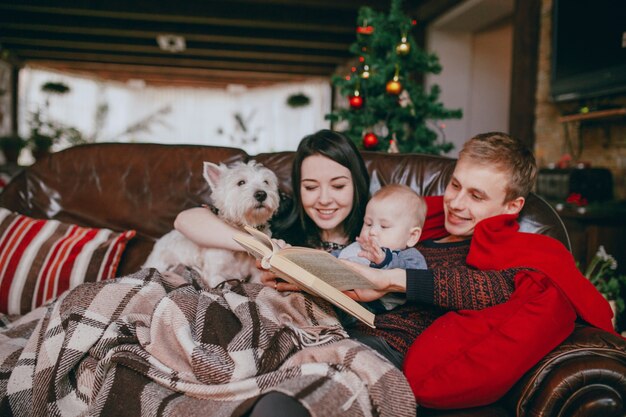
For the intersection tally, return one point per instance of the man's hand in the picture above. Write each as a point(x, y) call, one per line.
point(364, 294)
point(370, 249)
point(384, 281)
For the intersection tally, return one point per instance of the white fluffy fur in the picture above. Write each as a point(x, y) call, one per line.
point(233, 192)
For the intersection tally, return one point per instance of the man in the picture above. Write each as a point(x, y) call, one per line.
point(482, 277)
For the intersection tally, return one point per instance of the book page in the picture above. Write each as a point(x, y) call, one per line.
point(254, 247)
point(313, 270)
point(262, 237)
point(326, 267)
point(295, 274)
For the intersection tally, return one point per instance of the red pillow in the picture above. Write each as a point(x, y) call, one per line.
point(40, 259)
point(472, 358)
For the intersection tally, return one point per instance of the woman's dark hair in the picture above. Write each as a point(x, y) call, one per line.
point(337, 147)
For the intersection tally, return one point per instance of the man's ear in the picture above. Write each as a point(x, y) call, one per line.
point(514, 206)
point(414, 237)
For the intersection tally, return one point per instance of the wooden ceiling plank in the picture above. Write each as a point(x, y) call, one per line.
point(327, 4)
point(206, 81)
point(148, 49)
point(151, 69)
point(164, 26)
point(168, 76)
point(29, 54)
point(184, 19)
point(190, 37)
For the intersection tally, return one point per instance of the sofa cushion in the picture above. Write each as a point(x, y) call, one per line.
point(40, 259)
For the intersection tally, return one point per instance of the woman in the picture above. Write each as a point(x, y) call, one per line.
point(331, 188)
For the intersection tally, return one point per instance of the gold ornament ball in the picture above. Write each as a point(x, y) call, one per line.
point(403, 48)
point(366, 72)
point(394, 87)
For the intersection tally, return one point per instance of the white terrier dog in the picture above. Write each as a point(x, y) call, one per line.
point(243, 194)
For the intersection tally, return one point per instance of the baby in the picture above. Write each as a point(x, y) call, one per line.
point(392, 225)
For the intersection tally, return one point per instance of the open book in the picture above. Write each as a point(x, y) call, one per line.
point(315, 271)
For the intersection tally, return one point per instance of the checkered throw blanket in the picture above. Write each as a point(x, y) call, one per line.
point(152, 344)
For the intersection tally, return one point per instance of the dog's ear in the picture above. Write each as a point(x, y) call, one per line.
point(211, 173)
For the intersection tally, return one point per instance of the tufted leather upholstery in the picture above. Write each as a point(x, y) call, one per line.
point(144, 186)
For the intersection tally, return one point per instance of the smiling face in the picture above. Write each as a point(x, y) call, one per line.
point(327, 194)
point(475, 192)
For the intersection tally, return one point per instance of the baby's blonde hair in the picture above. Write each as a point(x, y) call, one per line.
point(405, 195)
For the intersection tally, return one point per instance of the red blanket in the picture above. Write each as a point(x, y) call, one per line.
point(472, 358)
point(434, 227)
point(498, 244)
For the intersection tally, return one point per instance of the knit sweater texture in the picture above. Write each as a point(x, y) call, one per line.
point(448, 284)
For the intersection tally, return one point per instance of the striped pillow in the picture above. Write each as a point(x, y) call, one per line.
point(40, 259)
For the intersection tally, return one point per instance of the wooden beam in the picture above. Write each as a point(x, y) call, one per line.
point(327, 4)
point(176, 71)
point(124, 33)
point(524, 70)
point(280, 68)
point(154, 75)
point(154, 49)
point(212, 13)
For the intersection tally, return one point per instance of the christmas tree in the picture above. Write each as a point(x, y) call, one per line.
point(389, 109)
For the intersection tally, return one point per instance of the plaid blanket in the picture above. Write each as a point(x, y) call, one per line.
point(155, 344)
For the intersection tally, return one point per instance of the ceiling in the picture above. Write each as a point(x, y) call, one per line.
point(250, 42)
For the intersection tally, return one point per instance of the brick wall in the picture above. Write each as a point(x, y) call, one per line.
point(601, 143)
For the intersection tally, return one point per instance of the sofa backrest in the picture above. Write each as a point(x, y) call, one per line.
point(144, 187)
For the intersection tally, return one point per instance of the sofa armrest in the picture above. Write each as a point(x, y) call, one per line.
point(585, 375)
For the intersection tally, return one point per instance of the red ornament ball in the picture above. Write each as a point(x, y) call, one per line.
point(365, 30)
point(370, 141)
point(356, 102)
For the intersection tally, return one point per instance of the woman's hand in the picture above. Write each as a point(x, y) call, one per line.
point(370, 249)
point(269, 279)
point(384, 281)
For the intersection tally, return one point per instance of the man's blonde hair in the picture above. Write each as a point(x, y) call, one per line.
point(507, 155)
point(406, 196)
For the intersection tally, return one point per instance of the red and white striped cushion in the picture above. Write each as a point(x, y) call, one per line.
point(40, 259)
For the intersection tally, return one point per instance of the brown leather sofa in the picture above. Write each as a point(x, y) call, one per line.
point(144, 186)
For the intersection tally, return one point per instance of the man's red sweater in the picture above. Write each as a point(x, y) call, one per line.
point(470, 358)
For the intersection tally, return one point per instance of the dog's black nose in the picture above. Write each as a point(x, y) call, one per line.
point(260, 196)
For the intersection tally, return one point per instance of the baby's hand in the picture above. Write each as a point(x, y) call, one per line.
point(370, 249)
